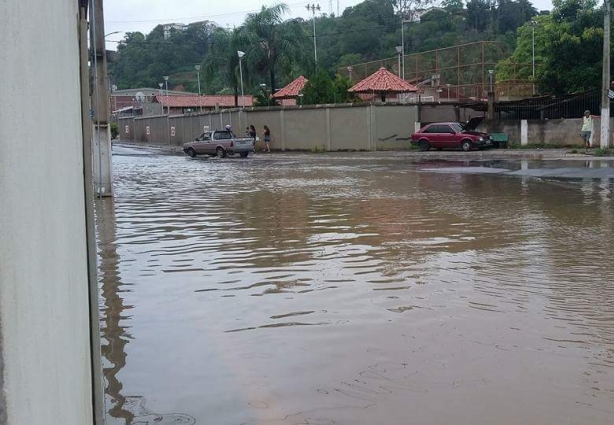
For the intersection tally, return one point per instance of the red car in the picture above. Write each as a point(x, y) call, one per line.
point(451, 135)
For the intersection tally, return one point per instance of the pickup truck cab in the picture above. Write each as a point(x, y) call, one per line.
point(219, 143)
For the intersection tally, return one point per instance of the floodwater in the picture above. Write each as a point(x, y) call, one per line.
point(355, 289)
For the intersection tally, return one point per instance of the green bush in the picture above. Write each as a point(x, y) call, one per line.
point(603, 152)
point(114, 130)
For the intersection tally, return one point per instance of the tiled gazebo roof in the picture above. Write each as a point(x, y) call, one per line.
point(383, 81)
point(292, 90)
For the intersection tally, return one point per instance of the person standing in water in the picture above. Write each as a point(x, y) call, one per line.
point(267, 139)
point(587, 125)
point(251, 132)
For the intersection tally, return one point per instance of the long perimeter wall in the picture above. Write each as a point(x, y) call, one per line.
point(323, 127)
point(345, 127)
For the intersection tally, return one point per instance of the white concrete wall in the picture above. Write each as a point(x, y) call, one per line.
point(44, 318)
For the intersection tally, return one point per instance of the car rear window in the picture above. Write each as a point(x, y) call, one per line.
point(438, 128)
point(223, 135)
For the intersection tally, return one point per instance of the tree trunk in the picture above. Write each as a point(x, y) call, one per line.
point(272, 71)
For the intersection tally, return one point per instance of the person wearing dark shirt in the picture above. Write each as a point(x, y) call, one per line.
point(267, 139)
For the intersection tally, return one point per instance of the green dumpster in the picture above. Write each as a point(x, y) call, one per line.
point(499, 140)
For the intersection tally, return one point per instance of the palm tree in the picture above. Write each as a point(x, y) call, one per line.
point(223, 61)
point(275, 44)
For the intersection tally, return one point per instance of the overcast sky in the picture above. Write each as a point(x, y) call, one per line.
point(144, 15)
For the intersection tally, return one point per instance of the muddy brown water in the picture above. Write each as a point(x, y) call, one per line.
point(354, 289)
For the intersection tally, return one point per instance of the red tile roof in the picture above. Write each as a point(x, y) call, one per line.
point(383, 81)
point(206, 101)
point(292, 90)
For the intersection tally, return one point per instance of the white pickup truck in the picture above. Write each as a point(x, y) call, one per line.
point(219, 143)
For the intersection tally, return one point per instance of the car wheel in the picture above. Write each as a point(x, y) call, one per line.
point(220, 153)
point(244, 154)
point(191, 153)
point(424, 145)
point(467, 145)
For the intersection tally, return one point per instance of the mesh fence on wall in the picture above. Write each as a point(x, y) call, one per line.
point(462, 72)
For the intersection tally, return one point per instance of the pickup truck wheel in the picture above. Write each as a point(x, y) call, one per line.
point(220, 152)
point(191, 153)
point(466, 145)
point(244, 154)
point(424, 145)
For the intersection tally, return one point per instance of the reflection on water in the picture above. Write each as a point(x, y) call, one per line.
point(353, 289)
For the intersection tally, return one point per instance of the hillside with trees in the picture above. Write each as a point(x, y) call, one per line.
point(277, 50)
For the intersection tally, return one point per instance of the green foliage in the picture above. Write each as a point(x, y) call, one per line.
point(319, 90)
point(603, 152)
point(263, 98)
point(273, 45)
point(221, 66)
point(277, 50)
point(568, 49)
point(341, 85)
point(573, 62)
point(114, 130)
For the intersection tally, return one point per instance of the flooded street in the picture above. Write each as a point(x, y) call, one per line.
point(356, 288)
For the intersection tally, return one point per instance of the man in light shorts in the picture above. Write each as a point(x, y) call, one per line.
point(587, 125)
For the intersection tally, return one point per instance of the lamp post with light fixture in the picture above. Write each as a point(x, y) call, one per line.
point(533, 25)
point(168, 106)
point(491, 95)
point(241, 54)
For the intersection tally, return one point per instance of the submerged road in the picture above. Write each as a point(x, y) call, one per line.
point(357, 289)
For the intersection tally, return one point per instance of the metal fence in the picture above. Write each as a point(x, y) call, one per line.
point(551, 107)
point(465, 70)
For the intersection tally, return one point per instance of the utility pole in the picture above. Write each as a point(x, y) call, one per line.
point(101, 137)
point(313, 8)
point(605, 78)
point(200, 103)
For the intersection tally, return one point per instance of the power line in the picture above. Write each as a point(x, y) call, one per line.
point(202, 17)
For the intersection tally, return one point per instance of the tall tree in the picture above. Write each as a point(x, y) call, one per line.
point(223, 61)
point(275, 44)
point(568, 49)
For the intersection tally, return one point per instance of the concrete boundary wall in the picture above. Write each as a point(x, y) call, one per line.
point(322, 127)
point(558, 132)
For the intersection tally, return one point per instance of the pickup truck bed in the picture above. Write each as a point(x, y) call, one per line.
point(219, 143)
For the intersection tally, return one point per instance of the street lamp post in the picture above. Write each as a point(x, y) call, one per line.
point(197, 68)
point(313, 8)
point(241, 54)
point(168, 106)
point(399, 53)
point(533, 25)
point(491, 95)
point(491, 73)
